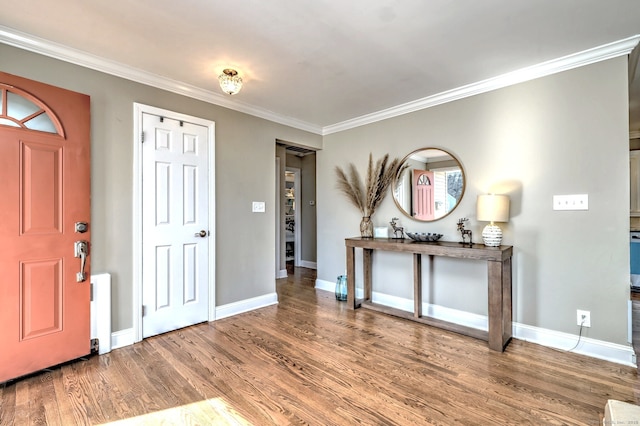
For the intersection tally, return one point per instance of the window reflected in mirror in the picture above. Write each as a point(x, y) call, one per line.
point(430, 185)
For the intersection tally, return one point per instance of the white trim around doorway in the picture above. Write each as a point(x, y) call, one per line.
point(297, 214)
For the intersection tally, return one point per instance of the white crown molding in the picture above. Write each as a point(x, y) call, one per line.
point(586, 57)
point(44, 47)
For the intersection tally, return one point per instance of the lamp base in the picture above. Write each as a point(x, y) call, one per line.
point(492, 235)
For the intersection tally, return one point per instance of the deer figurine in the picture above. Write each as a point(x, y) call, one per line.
point(396, 229)
point(465, 232)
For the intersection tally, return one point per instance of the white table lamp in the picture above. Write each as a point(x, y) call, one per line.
point(492, 208)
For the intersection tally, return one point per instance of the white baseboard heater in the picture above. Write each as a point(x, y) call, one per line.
point(101, 311)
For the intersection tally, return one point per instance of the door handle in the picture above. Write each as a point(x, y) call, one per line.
point(81, 249)
point(201, 234)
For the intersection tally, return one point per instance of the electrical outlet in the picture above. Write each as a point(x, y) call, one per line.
point(571, 202)
point(583, 318)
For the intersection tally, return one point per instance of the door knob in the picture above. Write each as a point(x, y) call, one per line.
point(202, 234)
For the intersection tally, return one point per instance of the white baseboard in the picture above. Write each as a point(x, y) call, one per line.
point(125, 337)
point(308, 264)
point(456, 316)
point(613, 352)
point(282, 273)
point(325, 285)
point(236, 308)
point(433, 311)
point(620, 354)
point(122, 338)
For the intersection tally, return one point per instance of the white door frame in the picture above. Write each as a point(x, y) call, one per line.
point(280, 273)
point(138, 110)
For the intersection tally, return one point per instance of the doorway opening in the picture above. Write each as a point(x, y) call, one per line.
point(292, 223)
point(295, 211)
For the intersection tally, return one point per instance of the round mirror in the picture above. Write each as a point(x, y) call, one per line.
point(430, 184)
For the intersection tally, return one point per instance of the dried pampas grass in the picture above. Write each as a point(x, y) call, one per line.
point(368, 195)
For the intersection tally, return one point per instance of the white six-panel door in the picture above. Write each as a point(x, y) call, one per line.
point(175, 224)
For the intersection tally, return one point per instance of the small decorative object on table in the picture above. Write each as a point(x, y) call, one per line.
point(396, 229)
point(465, 232)
point(381, 232)
point(422, 237)
point(341, 288)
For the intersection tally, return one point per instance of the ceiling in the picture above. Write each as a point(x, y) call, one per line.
point(316, 64)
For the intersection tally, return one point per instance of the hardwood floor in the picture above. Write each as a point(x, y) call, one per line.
point(309, 360)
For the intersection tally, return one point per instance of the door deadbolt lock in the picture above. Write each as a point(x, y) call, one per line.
point(82, 227)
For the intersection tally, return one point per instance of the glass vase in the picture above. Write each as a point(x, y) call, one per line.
point(341, 288)
point(366, 227)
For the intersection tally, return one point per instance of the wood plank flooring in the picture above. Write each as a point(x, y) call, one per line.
point(309, 360)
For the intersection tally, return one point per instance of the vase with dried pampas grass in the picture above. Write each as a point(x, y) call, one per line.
point(368, 195)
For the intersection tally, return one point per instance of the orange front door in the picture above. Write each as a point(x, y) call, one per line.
point(44, 190)
point(423, 203)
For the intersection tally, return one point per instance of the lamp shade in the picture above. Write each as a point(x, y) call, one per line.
point(493, 208)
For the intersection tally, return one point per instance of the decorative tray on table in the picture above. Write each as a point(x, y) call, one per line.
point(424, 237)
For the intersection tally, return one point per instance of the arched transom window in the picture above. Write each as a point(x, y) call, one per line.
point(424, 180)
point(21, 109)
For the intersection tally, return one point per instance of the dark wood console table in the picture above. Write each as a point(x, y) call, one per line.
point(499, 282)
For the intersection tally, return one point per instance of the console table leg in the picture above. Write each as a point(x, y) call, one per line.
point(367, 265)
point(351, 278)
point(507, 304)
point(417, 285)
point(496, 308)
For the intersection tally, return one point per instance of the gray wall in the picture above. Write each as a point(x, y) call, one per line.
point(245, 241)
point(562, 134)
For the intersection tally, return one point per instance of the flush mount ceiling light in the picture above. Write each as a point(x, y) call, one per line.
point(230, 81)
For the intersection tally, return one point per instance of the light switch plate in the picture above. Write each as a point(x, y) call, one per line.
point(571, 202)
point(257, 207)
